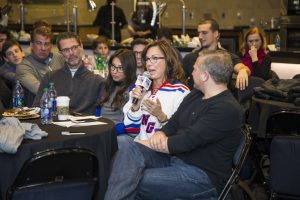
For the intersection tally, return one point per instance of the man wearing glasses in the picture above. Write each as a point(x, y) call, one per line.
point(73, 79)
point(40, 61)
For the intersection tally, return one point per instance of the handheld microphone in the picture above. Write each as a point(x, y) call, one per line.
point(144, 82)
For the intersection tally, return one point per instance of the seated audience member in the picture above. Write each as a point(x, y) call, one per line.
point(254, 54)
point(121, 77)
point(73, 79)
point(191, 156)
point(166, 34)
point(13, 55)
point(137, 47)
point(35, 25)
point(34, 66)
point(156, 105)
point(101, 47)
point(209, 35)
point(4, 35)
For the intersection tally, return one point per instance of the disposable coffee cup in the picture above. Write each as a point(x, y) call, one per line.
point(62, 107)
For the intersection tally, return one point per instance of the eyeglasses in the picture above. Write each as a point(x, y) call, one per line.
point(39, 43)
point(153, 59)
point(72, 48)
point(113, 67)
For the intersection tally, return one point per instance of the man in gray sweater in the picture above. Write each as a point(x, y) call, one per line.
point(73, 79)
point(41, 60)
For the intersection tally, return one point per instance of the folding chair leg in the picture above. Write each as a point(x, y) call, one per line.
point(247, 189)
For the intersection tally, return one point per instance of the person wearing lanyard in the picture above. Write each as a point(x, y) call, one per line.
point(156, 105)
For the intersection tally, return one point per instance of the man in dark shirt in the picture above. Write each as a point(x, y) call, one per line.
point(103, 20)
point(73, 79)
point(209, 38)
point(191, 156)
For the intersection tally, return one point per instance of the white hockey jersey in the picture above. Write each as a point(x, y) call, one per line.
point(141, 122)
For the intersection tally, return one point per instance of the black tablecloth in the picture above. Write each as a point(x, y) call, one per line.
point(261, 110)
point(101, 139)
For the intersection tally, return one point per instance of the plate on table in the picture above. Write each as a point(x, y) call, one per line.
point(22, 113)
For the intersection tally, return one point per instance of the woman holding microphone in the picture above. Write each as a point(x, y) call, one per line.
point(148, 109)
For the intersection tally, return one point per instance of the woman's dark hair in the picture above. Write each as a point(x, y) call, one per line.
point(174, 70)
point(128, 62)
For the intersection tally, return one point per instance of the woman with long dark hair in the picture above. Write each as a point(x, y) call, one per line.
point(121, 76)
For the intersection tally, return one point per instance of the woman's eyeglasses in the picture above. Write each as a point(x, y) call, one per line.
point(153, 59)
point(119, 68)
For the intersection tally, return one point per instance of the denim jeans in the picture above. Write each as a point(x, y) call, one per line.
point(141, 173)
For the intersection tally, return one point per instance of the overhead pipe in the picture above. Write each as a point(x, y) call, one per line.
point(113, 22)
point(75, 16)
point(183, 16)
point(68, 14)
point(22, 15)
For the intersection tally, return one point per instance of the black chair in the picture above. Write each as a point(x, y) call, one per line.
point(238, 161)
point(279, 123)
point(284, 122)
point(285, 167)
point(57, 174)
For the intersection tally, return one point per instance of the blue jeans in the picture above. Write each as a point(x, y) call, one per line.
point(141, 173)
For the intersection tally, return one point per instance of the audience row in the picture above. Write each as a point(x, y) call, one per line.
point(109, 83)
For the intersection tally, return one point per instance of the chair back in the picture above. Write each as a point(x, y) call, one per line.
point(285, 167)
point(244, 97)
point(57, 174)
point(284, 122)
point(238, 160)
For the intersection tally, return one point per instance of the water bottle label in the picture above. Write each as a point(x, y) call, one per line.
point(53, 105)
point(18, 102)
point(45, 113)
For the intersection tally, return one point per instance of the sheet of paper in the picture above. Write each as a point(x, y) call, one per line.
point(73, 124)
point(75, 118)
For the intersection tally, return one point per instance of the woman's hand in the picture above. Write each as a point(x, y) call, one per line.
point(155, 109)
point(253, 53)
point(139, 94)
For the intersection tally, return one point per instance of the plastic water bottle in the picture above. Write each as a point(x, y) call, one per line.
point(18, 95)
point(46, 116)
point(53, 94)
point(277, 42)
